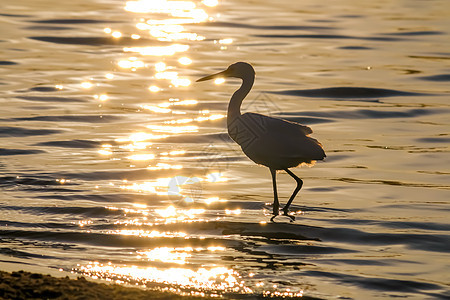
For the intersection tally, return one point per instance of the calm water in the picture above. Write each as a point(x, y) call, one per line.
point(115, 164)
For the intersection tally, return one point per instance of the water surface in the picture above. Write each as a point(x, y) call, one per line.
point(115, 164)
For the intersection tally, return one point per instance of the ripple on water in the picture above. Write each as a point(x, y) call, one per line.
point(437, 78)
point(9, 131)
point(416, 33)
point(83, 144)
point(74, 21)
point(375, 283)
point(7, 152)
point(362, 114)
point(7, 63)
point(73, 118)
point(96, 41)
point(264, 27)
point(43, 89)
point(328, 36)
point(347, 93)
point(50, 99)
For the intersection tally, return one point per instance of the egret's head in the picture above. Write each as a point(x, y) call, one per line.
point(238, 70)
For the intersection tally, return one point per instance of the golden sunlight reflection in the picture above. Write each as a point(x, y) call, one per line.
point(140, 137)
point(210, 3)
point(104, 152)
point(101, 97)
point(187, 189)
point(141, 156)
point(173, 77)
point(157, 109)
point(148, 233)
point(198, 119)
point(167, 255)
point(154, 88)
point(179, 214)
point(164, 107)
point(173, 129)
point(131, 63)
point(226, 41)
point(212, 279)
point(178, 255)
point(186, 10)
point(86, 85)
point(158, 50)
point(164, 166)
point(219, 80)
point(106, 149)
point(185, 60)
point(116, 34)
point(160, 66)
point(213, 200)
point(158, 6)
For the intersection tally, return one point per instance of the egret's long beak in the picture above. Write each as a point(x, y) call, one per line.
point(213, 76)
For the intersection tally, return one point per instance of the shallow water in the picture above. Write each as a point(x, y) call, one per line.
point(115, 164)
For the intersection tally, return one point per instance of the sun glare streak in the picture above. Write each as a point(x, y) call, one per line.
point(168, 255)
point(173, 129)
point(178, 255)
point(154, 88)
point(141, 157)
point(157, 109)
point(158, 6)
point(104, 152)
point(86, 85)
point(160, 66)
point(205, 279)
point(210, 3)
point(158, 50)
point(102, 97)
point(198, 119)
point(147, 233)
point(163, 166)
point(213, 200)
point(140, 137)
point(116, 34)
point(185, 61)
point(226, 41)
point(131, 63)
point(219, 80)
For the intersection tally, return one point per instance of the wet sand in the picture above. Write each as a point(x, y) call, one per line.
point(27, 285)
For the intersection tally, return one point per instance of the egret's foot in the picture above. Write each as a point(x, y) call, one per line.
point(286, 213)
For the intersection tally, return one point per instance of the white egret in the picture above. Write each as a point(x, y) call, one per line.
point(275, 143)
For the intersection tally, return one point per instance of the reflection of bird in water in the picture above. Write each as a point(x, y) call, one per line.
point(275, 143)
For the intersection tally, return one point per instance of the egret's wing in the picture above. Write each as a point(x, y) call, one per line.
point(272, 138)
point(276, 124)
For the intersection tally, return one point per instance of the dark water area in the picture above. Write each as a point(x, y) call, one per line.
point(115, 164)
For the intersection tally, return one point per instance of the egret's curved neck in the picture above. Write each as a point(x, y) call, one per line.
point(234, 107)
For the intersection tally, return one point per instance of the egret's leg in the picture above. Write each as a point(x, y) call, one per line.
point(299, 186)
point(276, 204)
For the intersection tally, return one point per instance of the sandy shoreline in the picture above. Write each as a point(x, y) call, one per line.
point(20, 285)
point(27, 285)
